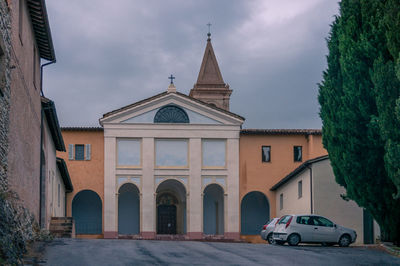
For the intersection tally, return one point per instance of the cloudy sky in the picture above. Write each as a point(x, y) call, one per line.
point(113, 53)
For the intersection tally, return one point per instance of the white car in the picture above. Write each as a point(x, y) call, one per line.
point(311, 228)
point(268, 228)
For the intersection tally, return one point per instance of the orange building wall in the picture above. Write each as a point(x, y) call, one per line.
point(255, 175)
point(85, 174)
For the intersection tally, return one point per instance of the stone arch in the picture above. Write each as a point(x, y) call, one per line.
point(87, 212)
point(254, 212)
point(128, 209)
point(213, 210)
point(171, 207)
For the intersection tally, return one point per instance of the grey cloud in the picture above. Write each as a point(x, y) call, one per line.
point(113, 53)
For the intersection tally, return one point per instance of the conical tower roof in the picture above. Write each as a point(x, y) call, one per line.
point(209, 70)
point(210, 86)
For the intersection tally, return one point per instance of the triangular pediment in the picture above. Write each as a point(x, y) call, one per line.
point(197, 112)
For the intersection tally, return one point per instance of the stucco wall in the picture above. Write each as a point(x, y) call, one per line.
point(24, 130)
point(292, 204)
point(256, 175)
point(85, 174)
point(58, 209)
point(328, 203)
point(52, 179)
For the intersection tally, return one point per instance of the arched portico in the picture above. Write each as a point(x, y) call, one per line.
point(87, 212)
point(128, 209)
point(213, 210)
point(171, 207)
point(254, 212)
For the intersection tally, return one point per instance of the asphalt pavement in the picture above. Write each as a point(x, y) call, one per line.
point(149, 252)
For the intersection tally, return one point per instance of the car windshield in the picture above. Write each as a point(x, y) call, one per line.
point(273, 221)
point(285, 219)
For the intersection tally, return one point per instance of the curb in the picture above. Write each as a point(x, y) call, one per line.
point(389, 248)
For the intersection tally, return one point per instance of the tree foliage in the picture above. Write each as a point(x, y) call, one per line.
point(360, 107)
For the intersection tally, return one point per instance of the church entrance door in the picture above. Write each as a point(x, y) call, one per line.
point(171, 208)
point(166, 219)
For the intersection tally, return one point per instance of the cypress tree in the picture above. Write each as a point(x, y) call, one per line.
point(360, 107)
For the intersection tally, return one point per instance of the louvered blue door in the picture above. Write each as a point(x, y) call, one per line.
point(86, 211)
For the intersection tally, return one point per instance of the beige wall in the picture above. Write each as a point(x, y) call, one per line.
point(326, 199)
point(24, 131)
point(58, 197)
point(52, 178)
point(292, 204)
point(328, 203)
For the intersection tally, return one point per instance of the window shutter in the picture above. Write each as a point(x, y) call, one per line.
point(88, 152)
point(71, 151)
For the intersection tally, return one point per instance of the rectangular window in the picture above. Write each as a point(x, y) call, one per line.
point(58, 195)
point(171, 152)
point(20, 19)
point(300, 188)
point(129, 151)
point(79, 152)
point(213, 153)
point(34, 66)
point(298, 153)
point(281, 201)
point(266, 154)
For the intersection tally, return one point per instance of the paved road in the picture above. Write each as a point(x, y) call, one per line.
point(146, 252)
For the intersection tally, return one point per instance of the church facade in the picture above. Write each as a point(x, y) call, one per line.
point(177, 164)
point(179, 159)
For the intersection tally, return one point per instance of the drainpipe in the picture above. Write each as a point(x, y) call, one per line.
point(41, 75)
point(41, 220)
point(311, 194)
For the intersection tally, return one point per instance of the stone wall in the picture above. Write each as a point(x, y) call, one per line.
point(17, 224)
point(5, 46)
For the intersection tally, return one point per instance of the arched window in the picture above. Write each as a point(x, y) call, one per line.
point(171, 114)
point(213, 210)
point(128, 210)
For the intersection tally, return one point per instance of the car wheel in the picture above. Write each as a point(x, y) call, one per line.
point(279, 242)
point(294, 239)
point(270, 239)
point(344, 241)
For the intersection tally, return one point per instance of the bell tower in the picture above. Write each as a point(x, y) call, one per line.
point(210, 87)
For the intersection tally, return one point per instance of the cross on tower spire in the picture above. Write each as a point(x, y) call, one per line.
point(172, 79)
point(209, 32)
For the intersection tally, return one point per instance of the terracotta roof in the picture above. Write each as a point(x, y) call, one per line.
point(253, 131)
point(82, 129)
point(41, 28)
point(297, 171)
point(62, 167)
point(49, 110)
point(178, 93)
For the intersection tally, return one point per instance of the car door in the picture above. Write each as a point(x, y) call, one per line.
point(324, 230)
point(305, 227)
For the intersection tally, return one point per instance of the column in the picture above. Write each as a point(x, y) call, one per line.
point(110, 204)
point(232, 220)
point(194, 201)
point(148, 209)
